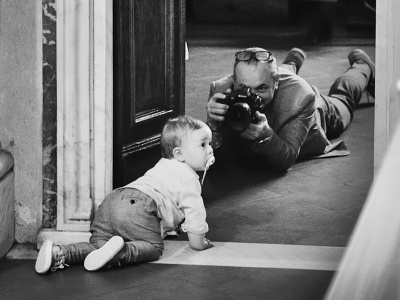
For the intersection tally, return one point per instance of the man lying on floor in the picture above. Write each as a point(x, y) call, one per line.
point(270, 114)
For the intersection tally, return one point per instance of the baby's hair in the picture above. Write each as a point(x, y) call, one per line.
point(174, 131)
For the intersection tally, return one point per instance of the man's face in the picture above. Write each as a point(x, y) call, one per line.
point(258, 77)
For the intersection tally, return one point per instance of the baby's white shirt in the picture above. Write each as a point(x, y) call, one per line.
point(176, 189)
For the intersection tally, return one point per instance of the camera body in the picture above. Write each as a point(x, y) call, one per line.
point(243, 105)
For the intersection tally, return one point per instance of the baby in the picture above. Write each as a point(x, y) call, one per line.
point(131, 223)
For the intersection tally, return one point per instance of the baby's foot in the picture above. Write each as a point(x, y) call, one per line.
point(106, 256)
point(50, 257)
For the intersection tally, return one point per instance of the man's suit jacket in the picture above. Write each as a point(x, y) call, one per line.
point(293, 115)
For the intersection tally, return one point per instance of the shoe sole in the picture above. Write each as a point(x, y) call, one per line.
point(370, 63)
point(43, 261)
point(299, 51)
point(365, 59)
point(100, 257)
point(296, 50)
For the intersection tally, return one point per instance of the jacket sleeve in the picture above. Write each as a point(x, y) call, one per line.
point(192, 205)
point(282, 149)
point(219, 86)
point(213, 125)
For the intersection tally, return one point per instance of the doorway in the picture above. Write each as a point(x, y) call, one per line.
point(149, 80)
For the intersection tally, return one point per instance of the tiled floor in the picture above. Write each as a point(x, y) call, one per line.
point(264, 222)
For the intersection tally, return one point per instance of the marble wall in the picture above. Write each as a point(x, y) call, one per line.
point(21, 108)
point(40, 78)
point(49, 114)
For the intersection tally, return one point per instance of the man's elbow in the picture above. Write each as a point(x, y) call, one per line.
point(287, 164)
point(282, 164)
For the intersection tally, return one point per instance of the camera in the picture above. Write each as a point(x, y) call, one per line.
point(243, 105)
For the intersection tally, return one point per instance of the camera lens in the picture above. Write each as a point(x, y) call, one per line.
point(238, 116)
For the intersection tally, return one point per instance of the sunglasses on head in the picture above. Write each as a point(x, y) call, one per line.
point(258, 55)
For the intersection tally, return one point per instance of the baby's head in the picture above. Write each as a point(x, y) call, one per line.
point(187, 140)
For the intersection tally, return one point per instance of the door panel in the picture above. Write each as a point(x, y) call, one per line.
point(149, 72)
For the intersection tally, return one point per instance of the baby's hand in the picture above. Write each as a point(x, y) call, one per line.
point(208, 244)
point(199, 242)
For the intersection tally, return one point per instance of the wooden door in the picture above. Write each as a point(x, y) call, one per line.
point(149, 76)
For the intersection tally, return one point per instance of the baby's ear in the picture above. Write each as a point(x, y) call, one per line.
point(178, 154)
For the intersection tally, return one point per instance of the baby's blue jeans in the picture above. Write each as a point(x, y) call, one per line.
point(130, 214)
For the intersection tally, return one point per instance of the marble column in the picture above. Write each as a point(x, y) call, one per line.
point(84, 115)
point(49, 126)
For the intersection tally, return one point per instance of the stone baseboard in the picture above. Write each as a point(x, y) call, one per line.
point(62, 237)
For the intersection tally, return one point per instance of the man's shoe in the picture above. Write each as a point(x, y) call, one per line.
point(106, 256)
point(360, 55)
point(50, 257)
point(295, 56)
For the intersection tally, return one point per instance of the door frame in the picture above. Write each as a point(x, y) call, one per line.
point(97, 94)
point(387, 54)
point(84, 110)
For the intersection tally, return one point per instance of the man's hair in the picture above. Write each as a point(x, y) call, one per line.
point(174, 131)
point(254, 61)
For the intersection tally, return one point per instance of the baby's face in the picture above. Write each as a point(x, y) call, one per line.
point(196, 148)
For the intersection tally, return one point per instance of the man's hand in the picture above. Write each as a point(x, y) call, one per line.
point(258, 131)
point(216, 111)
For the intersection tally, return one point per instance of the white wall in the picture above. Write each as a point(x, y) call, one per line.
point(21, 107)
point(387, 106)
point(370, 267)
